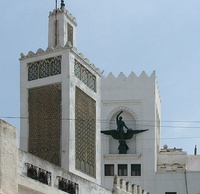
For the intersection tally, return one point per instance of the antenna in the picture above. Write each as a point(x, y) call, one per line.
point(56, 5)
point(195, 150)
point(56, 23)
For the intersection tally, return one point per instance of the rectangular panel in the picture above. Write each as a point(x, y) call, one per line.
point(44, 106)
point(85, 75)
point(44, 68)
point(70, 33)
point(85, 129)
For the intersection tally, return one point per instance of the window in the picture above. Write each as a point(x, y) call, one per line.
point(122, 169)
point(170, 193)
point(135, 169)
point(109, 169)
point(70, 33)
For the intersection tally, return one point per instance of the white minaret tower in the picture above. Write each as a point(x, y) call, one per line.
point(60, 102)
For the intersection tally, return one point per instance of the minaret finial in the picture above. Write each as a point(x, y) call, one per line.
point(62, 4)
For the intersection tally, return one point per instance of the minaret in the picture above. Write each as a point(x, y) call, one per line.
point(62, 27)
point(60, 102)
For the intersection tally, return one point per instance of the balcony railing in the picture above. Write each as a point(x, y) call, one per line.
point(38, 174)
point(68, 186)
point(45, 177)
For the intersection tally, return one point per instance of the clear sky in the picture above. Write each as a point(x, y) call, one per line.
point(117, 36)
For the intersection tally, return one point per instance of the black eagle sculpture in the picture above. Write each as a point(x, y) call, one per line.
point(120, 135)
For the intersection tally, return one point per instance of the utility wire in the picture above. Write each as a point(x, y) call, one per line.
point(113, 122)
point(172, 121)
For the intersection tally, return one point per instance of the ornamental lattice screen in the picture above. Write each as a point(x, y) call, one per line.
point(85, 129)
point(44, 106)
point(70, 33)
point(44, 68)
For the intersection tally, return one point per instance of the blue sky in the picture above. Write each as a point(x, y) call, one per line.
point(117, 36)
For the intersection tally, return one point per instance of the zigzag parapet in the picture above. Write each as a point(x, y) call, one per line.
point(128, 87)
point(67, 13)
point(131, 77)
point(50, 49)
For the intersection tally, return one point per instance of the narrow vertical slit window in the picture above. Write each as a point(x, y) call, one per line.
point(70, 33)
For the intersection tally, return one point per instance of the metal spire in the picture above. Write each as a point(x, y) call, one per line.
point(62, 3)
point(56, 4)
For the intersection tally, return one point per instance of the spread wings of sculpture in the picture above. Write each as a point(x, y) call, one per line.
point(118, 136)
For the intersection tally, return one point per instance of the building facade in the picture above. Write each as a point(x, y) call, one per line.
point(24, 173)
point(158, 170)
point(66, 103)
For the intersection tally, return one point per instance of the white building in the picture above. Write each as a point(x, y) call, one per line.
point(64, 97)
point(160, 171)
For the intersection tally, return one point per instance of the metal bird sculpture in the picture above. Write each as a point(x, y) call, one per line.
point(120, 135)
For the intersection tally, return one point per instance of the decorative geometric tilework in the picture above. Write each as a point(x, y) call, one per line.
point(85, 76)
point(33, 71)
point(85, 130)
point(44, 106)
point(56, 67)
point(92, 82)
point(70, 33)
point(77, 70)
point(44, 68)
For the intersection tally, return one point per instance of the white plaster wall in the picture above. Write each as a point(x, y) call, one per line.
point(193, 163)
point(136, 96)
point(116, 159)
point(140, 97)
point(180, 182)
point(172, 158)
point(27, 184)
point(157, 116)
point(8, 158)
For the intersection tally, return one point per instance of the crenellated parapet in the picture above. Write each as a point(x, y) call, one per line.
point(120, 186)
point(131, 77)
point(50, 50)
point(67, 13)
point(129, 87)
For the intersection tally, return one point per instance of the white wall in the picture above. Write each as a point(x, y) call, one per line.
point(136, 97)
point(8, 158)
point(26, 184)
